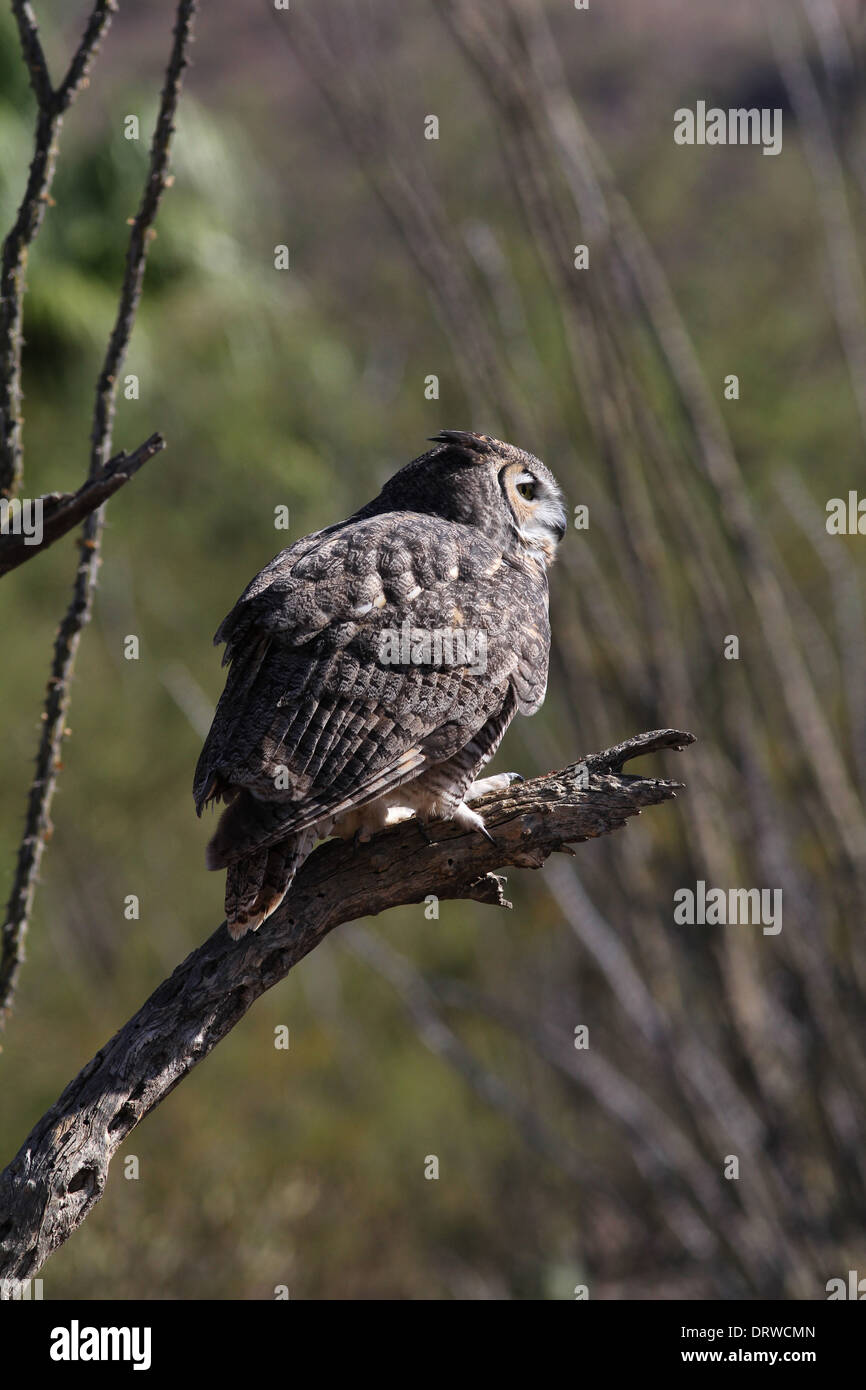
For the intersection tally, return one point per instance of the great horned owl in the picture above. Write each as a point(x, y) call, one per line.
point(376, 665)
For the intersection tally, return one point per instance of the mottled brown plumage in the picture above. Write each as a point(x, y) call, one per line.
point(340, 692)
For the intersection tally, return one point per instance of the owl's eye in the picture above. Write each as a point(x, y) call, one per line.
point(526, 490)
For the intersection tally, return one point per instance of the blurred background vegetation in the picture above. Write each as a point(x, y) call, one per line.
point(410, 257)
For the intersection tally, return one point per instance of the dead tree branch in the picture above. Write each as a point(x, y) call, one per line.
point(60, 1172)
point(60, 511)
point(51, 104)
point(38, 822)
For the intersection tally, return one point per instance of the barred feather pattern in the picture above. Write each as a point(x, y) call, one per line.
point(333, 718)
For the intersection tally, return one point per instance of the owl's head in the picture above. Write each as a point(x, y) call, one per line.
point(506, 493)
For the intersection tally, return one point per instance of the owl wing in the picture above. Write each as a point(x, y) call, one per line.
point(321, 712)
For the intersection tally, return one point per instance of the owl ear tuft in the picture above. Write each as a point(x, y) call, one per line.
point(463, 439)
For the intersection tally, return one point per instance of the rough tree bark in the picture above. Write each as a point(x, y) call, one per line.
point(60, 1172)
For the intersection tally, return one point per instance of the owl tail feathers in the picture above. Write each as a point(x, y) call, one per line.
point(256, 885)
point(245, 827)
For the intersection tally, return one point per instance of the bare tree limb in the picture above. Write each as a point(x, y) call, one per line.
point(37, 824)
point(522, 80)
point(413, 205)
point(61, 1170)
point(846, 280)
point(60, 511)
point(51, 106)
point(76, 73)
point(34, 56)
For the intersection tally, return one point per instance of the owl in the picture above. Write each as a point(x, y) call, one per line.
point(374, 666)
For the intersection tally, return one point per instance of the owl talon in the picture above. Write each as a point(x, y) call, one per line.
point(470, 820)
point(499, 783)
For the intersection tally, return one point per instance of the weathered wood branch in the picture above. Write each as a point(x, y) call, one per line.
point(61, 511)
point(61, 1170)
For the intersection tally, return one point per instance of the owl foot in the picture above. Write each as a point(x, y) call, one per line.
point(470, 820)
point(499, 783)
point(462, 816)
point(429, 838)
